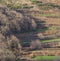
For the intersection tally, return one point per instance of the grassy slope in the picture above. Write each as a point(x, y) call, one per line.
point(51, 12)
point(45, 58)
point(52, 40)
point(43, 17)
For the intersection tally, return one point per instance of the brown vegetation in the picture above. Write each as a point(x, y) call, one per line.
point(22, 30)
point(12, 23)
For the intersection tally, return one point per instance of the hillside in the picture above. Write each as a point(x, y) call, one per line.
point(52, 1)
point(29, 28)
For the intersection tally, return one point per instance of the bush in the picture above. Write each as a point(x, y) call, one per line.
point(11, 6)
point(6, 54)
point(26, 6)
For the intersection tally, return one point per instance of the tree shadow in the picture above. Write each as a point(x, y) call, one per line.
point(26, 37)
point(22, 28)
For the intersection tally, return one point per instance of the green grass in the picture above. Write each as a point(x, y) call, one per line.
point(45, 58)
point(49, 15)
point(52, 40)
point(36, 1)
point(45, 6)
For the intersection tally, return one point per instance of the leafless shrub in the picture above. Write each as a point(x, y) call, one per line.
point(36, 44)
point(6, 54)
